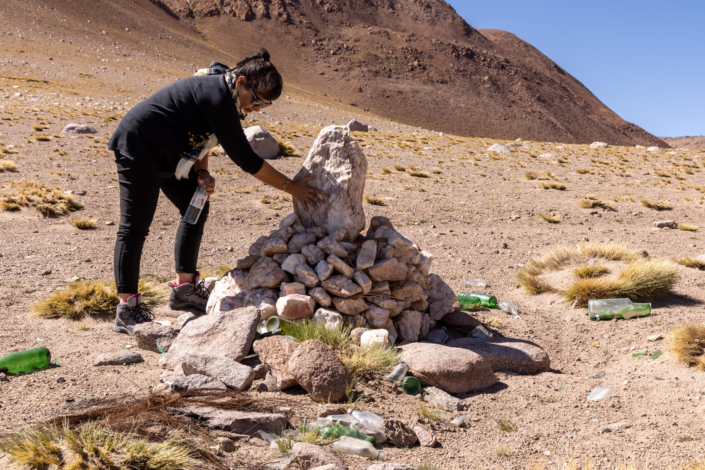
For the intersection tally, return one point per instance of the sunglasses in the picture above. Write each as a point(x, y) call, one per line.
point(258, 102)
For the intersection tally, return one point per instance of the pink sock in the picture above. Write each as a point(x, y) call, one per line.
point(177, 285)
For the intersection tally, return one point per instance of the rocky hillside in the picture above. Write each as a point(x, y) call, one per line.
point(696, 142)
point(416, 61)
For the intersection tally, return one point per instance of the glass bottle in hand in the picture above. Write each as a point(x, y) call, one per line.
point(197, 202)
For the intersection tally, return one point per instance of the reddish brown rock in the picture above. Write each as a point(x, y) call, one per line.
point(317, 368)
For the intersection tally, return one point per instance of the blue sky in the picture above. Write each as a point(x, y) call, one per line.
point(644, 59)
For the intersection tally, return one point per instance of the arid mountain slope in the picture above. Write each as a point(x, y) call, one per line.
point(688, 142)
point(416, 61)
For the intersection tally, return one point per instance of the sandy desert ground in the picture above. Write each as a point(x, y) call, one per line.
point(476, 212)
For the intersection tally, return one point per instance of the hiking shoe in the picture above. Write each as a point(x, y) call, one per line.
point(131, 313)
point(189, 295)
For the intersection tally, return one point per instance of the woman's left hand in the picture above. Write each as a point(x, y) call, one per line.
point(207, 181)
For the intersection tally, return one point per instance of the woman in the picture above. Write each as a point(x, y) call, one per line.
point(157, 146)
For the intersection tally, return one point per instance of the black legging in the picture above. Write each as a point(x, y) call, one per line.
point(139, 193)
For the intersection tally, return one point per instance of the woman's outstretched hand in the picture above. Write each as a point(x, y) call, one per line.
point(306, 194)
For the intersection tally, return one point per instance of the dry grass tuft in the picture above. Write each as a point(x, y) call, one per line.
point(287, 149)
point(92, 298)
point(49, 201)
point(590, 271)
point(375, 201)
point(418, 173)
point(687, 344)
point(386, 171)
point(506, 425)
point(399, 168)
point(593, 203)
point(550, 219)
point(7, 165)
point(85, 223)
point(558, 186)
point(94, 446)
point(642, 280)
point(691, 263)
point(428, 414)
point(688, 227)
point(42, 138)
point(656, 205)
point(530, 175)
point(495, 322)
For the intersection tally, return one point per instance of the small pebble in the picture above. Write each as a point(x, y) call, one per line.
point(655, 337)
point(109, 222)
point(46, 272)
point(568, 318)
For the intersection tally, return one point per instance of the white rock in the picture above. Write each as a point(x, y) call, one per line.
point(499, 148)
point(653, 149)
point(366, 256)
point(321, 297)
point(372, 338)
point(409, 325)
point(313, 254)
point(262, 142)
point(330, 318)
point(295, 306)
point(292, 261)
point(341, 266)
point(424, 264)
point(288, 288)
point(228, 294)
point(324, 270)
point(306, 275)
point(598, 145)
point(363, 281)
point(300, 240)
point(655, 337)
point(289, 220)
point(263, 299)
point(78, 129)
point(332, 247)
point(339, 167)
point(266, 273)
point(274, 246)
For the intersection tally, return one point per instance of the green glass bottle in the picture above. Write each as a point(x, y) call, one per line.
point(468, 301)
point(25, 361)
point(486, 300)
point(411, 385)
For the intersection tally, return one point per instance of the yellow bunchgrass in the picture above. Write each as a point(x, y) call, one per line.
point(428, 414)
point(656, 205)
point(93, 446)
point(399, 168)
point(418, 173)
point(590, 270)
point(92, 298)
point(691, 262)
point(593, 203)
point(688, 227)
point(687, 344)
point(506, 425)
point(287, 149)
point(7, 165)
point(641, 280)
point(85, 223)
point(549, 218)
point(376, 201)
point(558, 186)
point(386, 171)
point(49, 201)
point(495, 322)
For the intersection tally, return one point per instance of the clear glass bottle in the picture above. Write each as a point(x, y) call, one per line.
point(25, 361)
point(398, 374)
point(474, 283)
point(508, 307)
point(437, 336)
point(609, 309)
point(196, 206)
point(349, 445)
point(480, 332)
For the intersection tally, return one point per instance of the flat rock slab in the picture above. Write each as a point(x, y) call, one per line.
point(118, 358)
point(338, 166)
point(197, 382)
point(240, 422)
point(453, 370)
point(311, 456)
point(398, 433)
point(507, 354)
point(226, 334)
point(149, 335)
point(236, 376)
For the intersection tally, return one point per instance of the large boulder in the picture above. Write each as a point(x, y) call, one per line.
point(460, 319)
point(236, 376)
point(275, 352)
point(262, 142)
point(317, 368)
point(239, 422)
point(226, 334)
point(338, 166)
point(454, 370)
point(507, 354)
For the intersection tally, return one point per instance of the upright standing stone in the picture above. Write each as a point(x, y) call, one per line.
point(338, 166)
